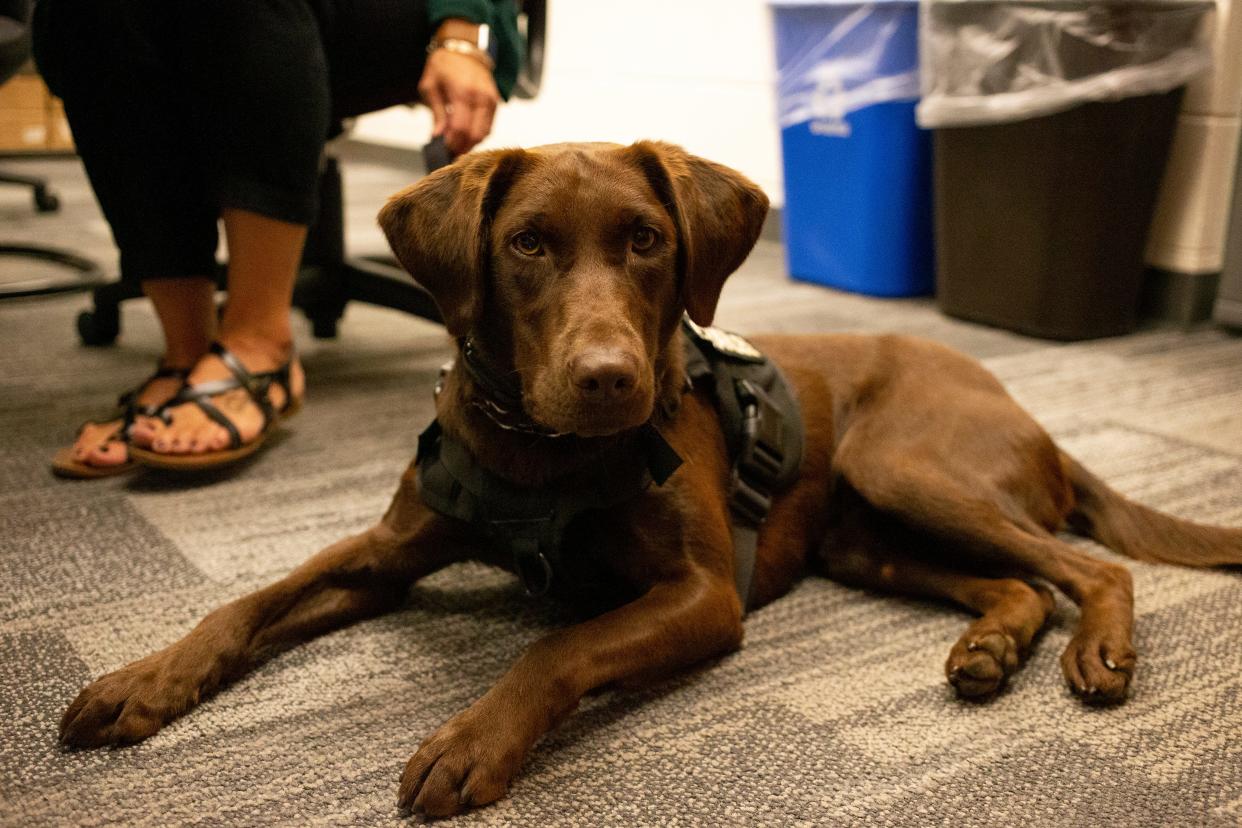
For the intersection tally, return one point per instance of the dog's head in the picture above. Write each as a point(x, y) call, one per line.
point(571, 264)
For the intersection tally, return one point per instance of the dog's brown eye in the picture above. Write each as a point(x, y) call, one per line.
point(527, 243)
point(644, 239)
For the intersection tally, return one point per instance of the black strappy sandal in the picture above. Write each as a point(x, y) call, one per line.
point(128, 409)
point(256, 385)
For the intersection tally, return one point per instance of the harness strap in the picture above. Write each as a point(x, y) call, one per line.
point(530, 523)
point(762, 426)
point(745, 545)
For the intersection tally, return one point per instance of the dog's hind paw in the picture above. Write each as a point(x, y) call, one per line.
point(1099, 671)
point(980, 662)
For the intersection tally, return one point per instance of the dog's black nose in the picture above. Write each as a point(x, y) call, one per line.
point(604, 374)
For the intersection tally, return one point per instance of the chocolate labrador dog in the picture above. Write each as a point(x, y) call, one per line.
point(565, 271)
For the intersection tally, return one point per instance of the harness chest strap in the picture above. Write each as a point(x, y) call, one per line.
point(531, 522)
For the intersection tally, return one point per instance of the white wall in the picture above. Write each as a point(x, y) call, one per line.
point(699, 73)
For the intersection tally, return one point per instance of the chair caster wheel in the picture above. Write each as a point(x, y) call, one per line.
point(45, 200)
point(95, 331)
point(323, 328)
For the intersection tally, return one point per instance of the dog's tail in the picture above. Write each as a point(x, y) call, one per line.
point(1144, 534)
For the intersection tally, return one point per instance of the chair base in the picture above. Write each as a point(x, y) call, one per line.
point(85, 273)
point(45, 201)
point(322, 293)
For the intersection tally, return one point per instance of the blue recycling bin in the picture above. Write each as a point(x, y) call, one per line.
point(858, 189)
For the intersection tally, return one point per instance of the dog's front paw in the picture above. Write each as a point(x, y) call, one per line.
point(466, 763)
point(127, 706)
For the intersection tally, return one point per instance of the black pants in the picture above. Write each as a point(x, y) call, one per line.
point(182, 108)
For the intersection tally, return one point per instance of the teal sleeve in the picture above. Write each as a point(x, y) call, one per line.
point(476, 11)
point(501, 18)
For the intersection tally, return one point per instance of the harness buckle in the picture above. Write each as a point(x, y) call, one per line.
point(760, 457)
point(747, 502)
point(526, 537)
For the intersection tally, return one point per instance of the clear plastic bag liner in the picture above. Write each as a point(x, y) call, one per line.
point(997, 62)
point(834, 59)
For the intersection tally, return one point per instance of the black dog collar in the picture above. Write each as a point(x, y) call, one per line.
point(501, 399)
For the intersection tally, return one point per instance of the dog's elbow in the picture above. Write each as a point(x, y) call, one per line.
point(710, 616)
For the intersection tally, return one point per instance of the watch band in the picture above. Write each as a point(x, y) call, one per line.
point(462, 47)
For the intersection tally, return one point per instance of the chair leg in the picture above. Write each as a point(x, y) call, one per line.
point(101, 326)
point(388, 286)
point(45, 200)
point(328, 281)
point(321, 296)
point(319, 291)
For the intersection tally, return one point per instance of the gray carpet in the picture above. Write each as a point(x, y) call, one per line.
point(836, 711)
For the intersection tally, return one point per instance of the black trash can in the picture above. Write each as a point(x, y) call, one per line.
point(1041, 224)
point(1052, 124)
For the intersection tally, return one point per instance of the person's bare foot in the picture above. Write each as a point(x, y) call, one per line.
point(102, 444)
point(186, 428)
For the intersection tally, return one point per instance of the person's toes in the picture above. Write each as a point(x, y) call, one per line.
point(111, 453)
point(276, 396)
point(144, 430)
point(92, 437)
point(172, 436)
point(180, 443)
point(203, 438)
point(219, 440)
point(163, 440)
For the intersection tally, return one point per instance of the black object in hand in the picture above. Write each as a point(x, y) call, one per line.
point(436, 154)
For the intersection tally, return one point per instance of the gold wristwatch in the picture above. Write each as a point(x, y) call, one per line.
point(476, 49)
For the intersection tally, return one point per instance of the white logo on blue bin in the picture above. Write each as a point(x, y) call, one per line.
point(828, 104)
point(862, 57)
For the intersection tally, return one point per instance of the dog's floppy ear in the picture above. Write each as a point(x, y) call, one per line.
point(718, 211)
point(438, 228)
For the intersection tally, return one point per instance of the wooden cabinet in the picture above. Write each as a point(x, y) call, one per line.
point(31, 119)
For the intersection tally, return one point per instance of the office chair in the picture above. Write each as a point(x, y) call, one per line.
point(329, 280)
point(14, 53)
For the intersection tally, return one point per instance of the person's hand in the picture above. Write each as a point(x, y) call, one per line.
point(462, 96)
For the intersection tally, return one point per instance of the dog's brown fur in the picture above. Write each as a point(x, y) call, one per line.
point(921, 475)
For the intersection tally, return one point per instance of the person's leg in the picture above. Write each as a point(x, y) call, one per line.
point(187, 314)
point(134, 140)
point(263, 261)
point(376, 52)
point(256, 75)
